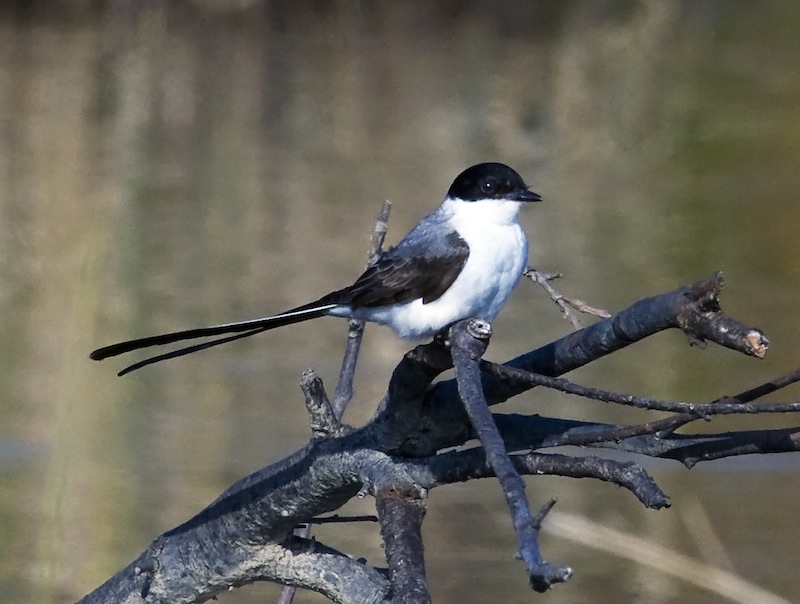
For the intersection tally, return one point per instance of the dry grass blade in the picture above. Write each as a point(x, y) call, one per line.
point(591, 534)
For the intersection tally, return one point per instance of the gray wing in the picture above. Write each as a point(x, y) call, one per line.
point(421, 266)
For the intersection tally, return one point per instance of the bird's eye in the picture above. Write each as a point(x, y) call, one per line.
point(489, 186)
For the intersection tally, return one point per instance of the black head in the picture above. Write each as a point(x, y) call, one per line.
point(491, 181)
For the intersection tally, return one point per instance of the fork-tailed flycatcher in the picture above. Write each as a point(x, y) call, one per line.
point(461, 261)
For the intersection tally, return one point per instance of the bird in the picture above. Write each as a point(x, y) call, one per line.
point(461, 261)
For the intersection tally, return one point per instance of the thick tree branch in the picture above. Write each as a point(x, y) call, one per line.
point(446, 421)
point(690, 307)
point(461, 466)
point(401, 511)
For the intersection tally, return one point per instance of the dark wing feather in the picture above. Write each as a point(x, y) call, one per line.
point(397, 277)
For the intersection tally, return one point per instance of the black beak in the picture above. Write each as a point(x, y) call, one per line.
point(526, 195)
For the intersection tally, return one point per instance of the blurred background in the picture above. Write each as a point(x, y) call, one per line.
point(166, 165)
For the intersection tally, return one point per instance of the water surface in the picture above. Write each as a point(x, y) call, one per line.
point(168, 167)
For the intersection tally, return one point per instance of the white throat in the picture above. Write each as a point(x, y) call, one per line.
point(481, 211)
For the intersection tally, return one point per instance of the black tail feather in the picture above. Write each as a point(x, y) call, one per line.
point(244, 329)
point(188, 350)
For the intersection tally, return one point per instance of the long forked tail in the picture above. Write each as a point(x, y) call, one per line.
point(188, 350)
point(242, 329)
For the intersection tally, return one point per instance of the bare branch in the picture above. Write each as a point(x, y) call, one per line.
point(565, 304)
point(401, 511)
point(355, 328)
point(524, 432)
point(246, 534)
point(320, 412)
point(722, 406)
point(461, 466)
point(695, 305)
point(468, 342)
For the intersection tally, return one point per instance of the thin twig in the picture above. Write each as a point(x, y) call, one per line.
point(565, 304)
point(722, 406)
point(588, 435)
point(344, 388)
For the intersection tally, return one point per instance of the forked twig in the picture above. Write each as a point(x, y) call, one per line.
point(564, 303)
